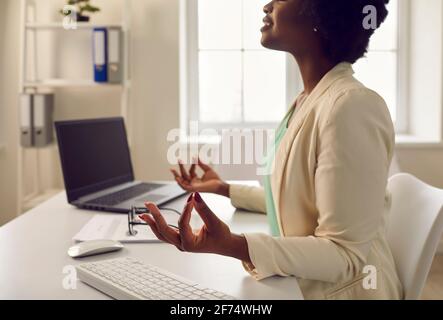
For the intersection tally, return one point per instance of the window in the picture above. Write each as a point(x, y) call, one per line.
point(230, 80)
point(380, 71)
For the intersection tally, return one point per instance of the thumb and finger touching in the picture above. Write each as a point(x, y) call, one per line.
point(209, 218)
point(185, 230)
point(162, 226)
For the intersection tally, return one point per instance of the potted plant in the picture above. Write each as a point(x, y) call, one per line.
point(81, 8)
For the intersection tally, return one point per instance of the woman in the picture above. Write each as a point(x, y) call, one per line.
point(326, 198)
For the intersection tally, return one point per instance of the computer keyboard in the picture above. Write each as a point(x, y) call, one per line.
point(125, 194)
point(129, 278)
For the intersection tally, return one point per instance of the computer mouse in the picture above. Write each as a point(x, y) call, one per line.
point(94, 247)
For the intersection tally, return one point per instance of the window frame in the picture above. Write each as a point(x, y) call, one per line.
point(189, 71)
point(402, 123)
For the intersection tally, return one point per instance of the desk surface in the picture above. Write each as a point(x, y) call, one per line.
point(33, 255)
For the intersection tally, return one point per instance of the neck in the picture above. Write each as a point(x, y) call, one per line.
point(313, 68)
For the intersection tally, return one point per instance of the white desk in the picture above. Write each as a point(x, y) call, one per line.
point(33, 254)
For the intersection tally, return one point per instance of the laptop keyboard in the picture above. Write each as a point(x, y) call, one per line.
point(125, 194)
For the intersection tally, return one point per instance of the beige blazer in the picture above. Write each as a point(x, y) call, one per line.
point(329, 188)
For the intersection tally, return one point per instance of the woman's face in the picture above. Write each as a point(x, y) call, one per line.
point(286, 28)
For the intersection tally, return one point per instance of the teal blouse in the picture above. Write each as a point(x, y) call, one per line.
point(270, 206)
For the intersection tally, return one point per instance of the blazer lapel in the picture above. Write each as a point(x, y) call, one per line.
point(284, 150)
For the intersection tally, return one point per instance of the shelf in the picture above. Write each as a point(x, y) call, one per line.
point(66, 83)
point(80, 26)
point(30, 28)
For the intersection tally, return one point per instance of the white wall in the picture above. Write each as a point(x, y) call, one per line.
point(2, 107)
point(424, 162)
point(425, 76)
point(155, 100)
point(155, 84)
point(9, 10)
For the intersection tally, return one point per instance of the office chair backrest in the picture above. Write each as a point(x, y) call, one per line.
point(414, 230)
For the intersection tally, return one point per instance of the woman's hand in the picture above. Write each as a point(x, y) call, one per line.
point(209, 182)
point(214, 237)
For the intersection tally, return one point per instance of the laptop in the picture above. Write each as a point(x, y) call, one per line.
point(97, 168)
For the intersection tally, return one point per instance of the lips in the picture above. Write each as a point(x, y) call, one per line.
point(268, 24)
point(267, 21)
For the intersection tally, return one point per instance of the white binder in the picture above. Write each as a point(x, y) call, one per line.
point(100, 37)
point(115, 55)
point(43, 119)
point(26, 121)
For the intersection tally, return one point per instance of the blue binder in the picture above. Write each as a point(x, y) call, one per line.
point(100, 54)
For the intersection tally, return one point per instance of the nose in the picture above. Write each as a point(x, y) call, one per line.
point(268, 8)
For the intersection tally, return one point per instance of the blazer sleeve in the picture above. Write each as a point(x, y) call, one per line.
point(354, 151)
point(248, 198)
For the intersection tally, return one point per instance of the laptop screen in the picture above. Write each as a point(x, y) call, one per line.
point(94, 155)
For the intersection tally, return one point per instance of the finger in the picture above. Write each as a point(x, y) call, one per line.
point(184, 174)
point(192, 171)
point(185, 230)
point(184, 185)
point(198, 186)
point(203, 166)
point(156, 232)
point(208, 217)
point(152, 225)
point(175, 173)
point(191, 196)
point(158, 217)
point(162, 226)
